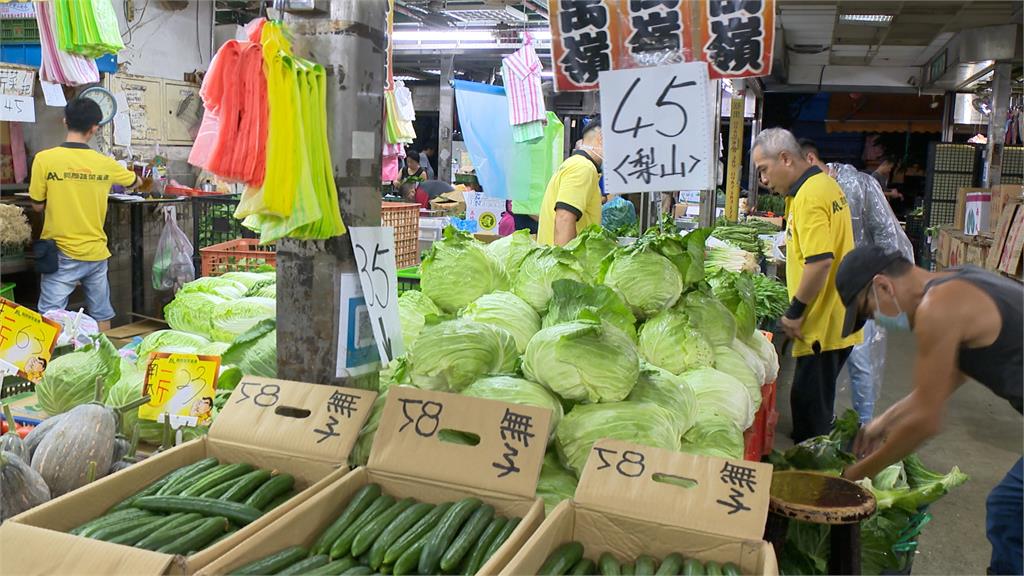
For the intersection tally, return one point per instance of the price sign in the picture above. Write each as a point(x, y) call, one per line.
point(374, 249)
point(53, 94)
point(655, 129)
point(181, 385)
point(27, 340)
point(17, 108)
point(484, 210)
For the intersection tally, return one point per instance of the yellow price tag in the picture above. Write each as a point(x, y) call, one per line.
point(180, 385)
point(27, 339)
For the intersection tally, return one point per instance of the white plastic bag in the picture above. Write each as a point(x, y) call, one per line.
point(172, 263)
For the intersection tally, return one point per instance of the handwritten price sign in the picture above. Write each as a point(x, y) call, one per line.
point(27, 340)
point(180, 385)
point(374, 248)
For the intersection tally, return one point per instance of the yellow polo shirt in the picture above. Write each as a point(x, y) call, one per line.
point(74, 181)
point(574, 187)
point(818, 226)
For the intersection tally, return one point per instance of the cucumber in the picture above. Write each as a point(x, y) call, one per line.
point(108, 519)
point(645, 566)
point(238, 513)
point(112, 530)
point(220, 489)
point(628, 569)
point(217, 477)
point(562, 559)
point(670, 566)
point(582, 568)
point(343, 544)
point(476, 557)
point(467, 537)
point(196, 539)
point(231, 532)
point(270, 489)
point(410, 559)
point(440, 539)
point(278, 501)
point(418, 532)
point(712, 568)
point(272, 564)
point(358, 571)
point(730, 569)
point(356, 506)
point(335, 568)
point(402, 524)
point(246, 485)
point(169, 531)
point(126, 504)
point(304, 566)
point(692, 567)
point(184, 476)
point(507, 531)
point(131, 537)
point(373, 529)
point(608, 566)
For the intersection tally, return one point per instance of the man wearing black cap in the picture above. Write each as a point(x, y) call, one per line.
point(967, 323)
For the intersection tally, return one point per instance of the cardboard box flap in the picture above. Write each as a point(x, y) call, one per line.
point(727, 497)
point(308, 420)
point(30, 550)
point(415, 429)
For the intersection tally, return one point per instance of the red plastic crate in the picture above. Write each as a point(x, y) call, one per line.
point(769, 401)
point(752, 444)
point(242, 255)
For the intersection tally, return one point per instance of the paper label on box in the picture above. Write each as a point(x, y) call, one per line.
point(417, 428)
point(307, 420)
point(180, 385)
point(713, 495)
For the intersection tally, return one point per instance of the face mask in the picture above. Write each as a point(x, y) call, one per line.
point(594, 152)
point(898, 322)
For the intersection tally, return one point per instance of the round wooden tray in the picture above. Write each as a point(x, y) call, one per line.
point(819, 498)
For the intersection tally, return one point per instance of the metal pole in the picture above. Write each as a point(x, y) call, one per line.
point(708, 197)
point(350, 43)
point(993, 174)
point(735, 158)
point(446, 119)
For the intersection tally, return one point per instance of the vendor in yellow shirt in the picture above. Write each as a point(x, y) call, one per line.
point(572, 200)
point(71, 183)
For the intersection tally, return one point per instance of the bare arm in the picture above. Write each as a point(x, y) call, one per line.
point(565, 226)
point(814, 279)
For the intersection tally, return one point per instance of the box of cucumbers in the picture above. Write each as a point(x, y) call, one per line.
point(648, 511)
point(424, 504)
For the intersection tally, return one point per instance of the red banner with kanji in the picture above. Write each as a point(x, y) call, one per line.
point(734, 37)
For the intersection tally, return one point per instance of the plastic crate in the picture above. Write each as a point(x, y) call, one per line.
point(408, 279)
point(213, 221)
point(405, 219)
point(242, 255)
point(7, 291)
point(752, 444)
point(19, 30)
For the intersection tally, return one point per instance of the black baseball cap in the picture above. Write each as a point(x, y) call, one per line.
point(855, 272)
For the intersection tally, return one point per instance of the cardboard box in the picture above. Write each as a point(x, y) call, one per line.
point(272, 424)
point(409, 460)
point(626, 505)
point(976, 218)
point(449, 203)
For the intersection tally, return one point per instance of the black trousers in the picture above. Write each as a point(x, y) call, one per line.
point(813, 396)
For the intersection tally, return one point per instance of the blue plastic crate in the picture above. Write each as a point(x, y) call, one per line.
point(24, 54)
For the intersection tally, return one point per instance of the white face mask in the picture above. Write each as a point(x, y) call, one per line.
point(594, 153)
point(898, 322)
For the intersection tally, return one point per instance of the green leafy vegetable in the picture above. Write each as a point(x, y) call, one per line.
point(216, 285)
point(191, 312)
point(540, 269)
point(590, 247)
point(647, 281)
point(714, 435)
point(736, 292)
point(771, 297)
point(234, 318)
point(509, 251)
point(70, 379)
point(714, 319)
point(668, 391)
point(517, 391)
point(669, 341)
point(556, 483)
point(457, 270)
point(720, 393)
point(637, 422)
point(414, 307)
point(453, 354)
point(571, 298)
point(255, 351)
point(508, 311)
point(170, 341)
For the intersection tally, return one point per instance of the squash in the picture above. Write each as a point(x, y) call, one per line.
point(129, 456)
point(10, 441)
point(84, 435)
point(121, 448)
point(37, 434)
point(21, 487)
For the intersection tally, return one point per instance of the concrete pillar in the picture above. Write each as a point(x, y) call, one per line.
point(993, 172)
point(708, 199)
point(446, 119)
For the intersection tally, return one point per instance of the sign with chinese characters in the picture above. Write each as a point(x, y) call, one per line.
point(374, 249)
point(27, 340)
point(734, 37)
point(17, 108)
point(484, 210)
point(181, 385)
point(16, 80)
point(655, 129)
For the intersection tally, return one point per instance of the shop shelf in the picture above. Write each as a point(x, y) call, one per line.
point(242, 255)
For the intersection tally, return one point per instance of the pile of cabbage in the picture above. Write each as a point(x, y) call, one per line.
point(630, 343)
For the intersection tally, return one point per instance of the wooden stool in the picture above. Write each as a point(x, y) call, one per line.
point(820, 499)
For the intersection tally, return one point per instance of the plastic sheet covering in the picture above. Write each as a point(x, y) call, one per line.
point(873, 218)
point(56, 65)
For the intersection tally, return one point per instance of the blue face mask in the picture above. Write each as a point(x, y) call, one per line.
point(898, 322)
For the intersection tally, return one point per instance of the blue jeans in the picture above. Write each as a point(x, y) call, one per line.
point(866, 365)
point(1005, 506)
point(55, 288)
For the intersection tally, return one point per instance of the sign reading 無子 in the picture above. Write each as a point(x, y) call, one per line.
point(27, 340)
point(182, 385)
point(374, 249)
point(655, 127)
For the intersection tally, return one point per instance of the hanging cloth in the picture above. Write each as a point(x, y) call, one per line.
point(403, 102)
point(521, 71)
point(56, 65)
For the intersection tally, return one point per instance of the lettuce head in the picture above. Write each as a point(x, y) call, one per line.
point(669, 341)
point(452, 354)
point(457, 270)
point(508, 311)
point(517, 391)
point(540, 269)
point(647, 281)
point(637, 422)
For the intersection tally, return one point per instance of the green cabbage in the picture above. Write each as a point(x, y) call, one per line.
point(191, 312)
point(214, 349)
point(452, 354)
point(233, 318)
point(517, 391)
point(128, 388)
point(715, 321)
point(457, 270)
point(720, 393)
point(585, 360)
point(590, 247)
point(636, 422)
point(647, 281)
point(249, 279)
point(765, 351)
point(668, 391)
point(669, 341)
point(255, 351)
point(261, 287)
point(508, 311)
point(736, 291)
point(268, 291)
point(413, 309)
point(685, 252)
point(169, 341)
point(509, 251)
point(70, 379)
point(733, 361)
point(556, 483)
point(540, 269)
point(714, 435)
point(570, 299)
point(216, 285)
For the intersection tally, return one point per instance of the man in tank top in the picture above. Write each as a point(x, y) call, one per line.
point(967, 323)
